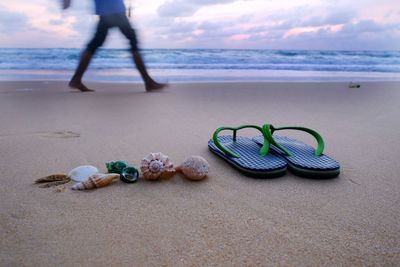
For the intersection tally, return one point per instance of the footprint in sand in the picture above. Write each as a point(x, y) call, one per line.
point(52, 134)
point(61, 134)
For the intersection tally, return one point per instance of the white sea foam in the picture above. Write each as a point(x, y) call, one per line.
point(204, 65)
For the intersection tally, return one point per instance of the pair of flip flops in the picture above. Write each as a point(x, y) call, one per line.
point(269, 155)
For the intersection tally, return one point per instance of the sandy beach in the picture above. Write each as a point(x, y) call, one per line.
point(226, 220)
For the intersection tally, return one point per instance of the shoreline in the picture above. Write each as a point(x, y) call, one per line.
point(200, 76)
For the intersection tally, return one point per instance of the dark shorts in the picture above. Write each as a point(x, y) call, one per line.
point(110, 21)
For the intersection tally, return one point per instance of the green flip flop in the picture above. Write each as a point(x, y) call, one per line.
point(245, 155)
point(302, 159)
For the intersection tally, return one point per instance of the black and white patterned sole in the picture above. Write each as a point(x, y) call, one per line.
point(303, 161)
point(250, 162)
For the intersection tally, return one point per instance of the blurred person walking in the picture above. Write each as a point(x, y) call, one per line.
point(112, 13)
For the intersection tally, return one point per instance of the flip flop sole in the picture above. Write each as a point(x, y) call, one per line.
point(313, 174)
point(303, 161)
point(250, 162)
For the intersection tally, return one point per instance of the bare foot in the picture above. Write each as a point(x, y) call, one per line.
point(155, 86)
point(80, 86)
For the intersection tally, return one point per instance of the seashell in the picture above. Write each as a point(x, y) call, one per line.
point(116, 166)
point(96, 181)
point(157, 166)
point(55, 183)
point(194, 168)
point(129, 175)
point(82, 173)
point(52, 180)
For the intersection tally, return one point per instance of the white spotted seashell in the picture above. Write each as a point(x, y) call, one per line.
point(82, 173)
point(194, 168)
point(157, 166)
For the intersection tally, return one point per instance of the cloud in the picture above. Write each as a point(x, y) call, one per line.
point(367, 26)
point(330, 18)
point(12, 21)
point(179, 8)
point(365, 34)
point(280, 24)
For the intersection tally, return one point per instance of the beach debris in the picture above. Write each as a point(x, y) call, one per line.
point(53, 180)
point(129, 175)
point(194, 168)
point(82, 173)
point(157, 166)
point(97, 180)
point(116, 166)
point(354, 85)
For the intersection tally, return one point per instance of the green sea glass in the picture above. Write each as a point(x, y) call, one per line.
point(129, 175)
point(116, 166)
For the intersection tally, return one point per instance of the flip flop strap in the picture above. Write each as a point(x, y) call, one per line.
point(269, 130)
point(263, 151)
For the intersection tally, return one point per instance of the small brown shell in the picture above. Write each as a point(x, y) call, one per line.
point(96, 181)
point(157, 166)
point(52, 180)
point(194, 168)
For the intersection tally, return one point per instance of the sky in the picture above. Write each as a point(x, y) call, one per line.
point(241, 24)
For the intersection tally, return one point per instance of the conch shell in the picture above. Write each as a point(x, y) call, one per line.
point(157, 166)
point(96, 181)
point(194, 168)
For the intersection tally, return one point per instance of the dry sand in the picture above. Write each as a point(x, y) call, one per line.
point(227, 220)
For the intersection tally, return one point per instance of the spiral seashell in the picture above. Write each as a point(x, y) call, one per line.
point(157, 166)
point(194, 168)
point(96, 181)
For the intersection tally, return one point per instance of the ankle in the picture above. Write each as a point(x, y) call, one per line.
point(76, 79)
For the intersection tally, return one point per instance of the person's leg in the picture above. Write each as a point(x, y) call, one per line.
point(149, 83)
point(94, 44)
point(76, 80)
point(127, 30)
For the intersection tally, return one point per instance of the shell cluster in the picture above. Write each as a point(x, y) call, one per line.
point(157, 166)
point(97, 180)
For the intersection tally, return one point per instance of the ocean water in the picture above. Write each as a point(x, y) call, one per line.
point(197, 65)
